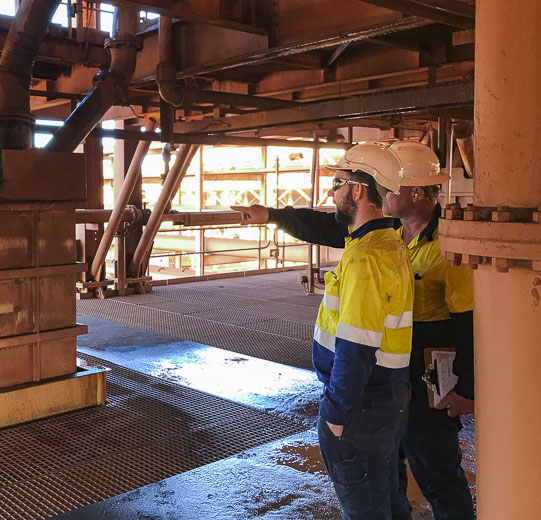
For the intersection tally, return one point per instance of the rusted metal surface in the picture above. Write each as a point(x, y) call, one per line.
point(16, 62)
point(183, 138)
point(110, 86)
point(36, 176)
point(359, 34)
point(444, 13)
point(407, 100)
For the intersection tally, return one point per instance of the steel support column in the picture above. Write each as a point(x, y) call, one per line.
point(504, 224)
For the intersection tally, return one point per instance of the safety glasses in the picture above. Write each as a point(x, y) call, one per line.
point(337, 182)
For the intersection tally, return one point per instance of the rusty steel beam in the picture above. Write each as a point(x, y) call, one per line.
point(182, 138)
point(363, 33)
point(400, 101)
point(425, 11)
point(451, 7)
point(177, 10)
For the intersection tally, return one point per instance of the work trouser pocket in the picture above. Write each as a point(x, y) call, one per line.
point(352, 484)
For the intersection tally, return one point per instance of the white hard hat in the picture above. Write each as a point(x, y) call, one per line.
point(377, 160)
point(420, 163)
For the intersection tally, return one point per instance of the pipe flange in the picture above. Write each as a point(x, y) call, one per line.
point(124, 40)
point(505, 238)
point(13, 115)
point(491, 213)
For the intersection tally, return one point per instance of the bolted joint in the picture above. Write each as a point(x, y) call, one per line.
point(472, 261)
point(453, 258)
point(472, 212)
point(124, 40)
point(454, 213)
point(502, 265)
point(502, 214)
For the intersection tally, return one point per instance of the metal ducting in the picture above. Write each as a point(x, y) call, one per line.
point(110, 86)
point(16, 63)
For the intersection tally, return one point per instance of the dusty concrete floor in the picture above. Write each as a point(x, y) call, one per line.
point(284, 479)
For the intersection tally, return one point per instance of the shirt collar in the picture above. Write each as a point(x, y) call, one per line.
point(371, 225)
point(428, 231)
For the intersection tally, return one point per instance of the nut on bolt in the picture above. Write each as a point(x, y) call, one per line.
point(472, 212)
point(502, 265)
point(453, 258)
point(472, 261)
point(502, 214)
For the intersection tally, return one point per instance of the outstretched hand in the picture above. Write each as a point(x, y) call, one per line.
point(254, 214)
point(456, 404)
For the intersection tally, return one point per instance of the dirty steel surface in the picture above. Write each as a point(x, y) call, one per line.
point(265, 316)
point(151, 429)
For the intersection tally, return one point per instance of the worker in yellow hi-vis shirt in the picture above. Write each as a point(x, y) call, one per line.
point(362, 339)
point(442, 316)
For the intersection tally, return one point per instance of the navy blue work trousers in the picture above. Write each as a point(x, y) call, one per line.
point(430, 442)
point(363, 462)
point(431, 445)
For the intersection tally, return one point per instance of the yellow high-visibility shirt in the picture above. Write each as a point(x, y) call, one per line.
point(440, 288)
point(364, 326)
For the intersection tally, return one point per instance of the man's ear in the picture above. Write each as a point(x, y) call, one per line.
point(417, 193)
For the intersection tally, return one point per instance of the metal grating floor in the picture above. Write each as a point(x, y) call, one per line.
point(150, 430)
point(265, 316)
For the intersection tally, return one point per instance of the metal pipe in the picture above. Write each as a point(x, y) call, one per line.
point(313, 173)
point(110, 86)
point(79, 17)
point(216, 140)
point(230, 247)
point(25, 35)
point(121, 262)
point(132, 176)
point(449, 162)
point(183, 158)
point(131, 215)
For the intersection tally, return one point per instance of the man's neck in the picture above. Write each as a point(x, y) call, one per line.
point(415, 223)
point(365, 213)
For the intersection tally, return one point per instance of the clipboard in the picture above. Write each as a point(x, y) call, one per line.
point(439, 376)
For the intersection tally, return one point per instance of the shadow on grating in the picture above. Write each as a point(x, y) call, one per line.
point(150, 430)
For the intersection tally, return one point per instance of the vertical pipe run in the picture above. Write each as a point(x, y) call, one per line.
point(449, 160)
point(121, 262)
point(507, 309)
point(313, 174)
point(132, 176)
point(177, 172)
point(25, 35)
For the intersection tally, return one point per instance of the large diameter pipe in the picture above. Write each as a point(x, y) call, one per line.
point(110, 86)
point(507, 306)
point(171, 185)
point(25, 35)
point(132, 176)
point(230, 247)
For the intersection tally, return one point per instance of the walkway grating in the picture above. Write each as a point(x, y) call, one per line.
point(265, 316)
point(150, 429)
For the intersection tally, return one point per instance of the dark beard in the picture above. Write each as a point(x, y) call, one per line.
point(346, 213)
